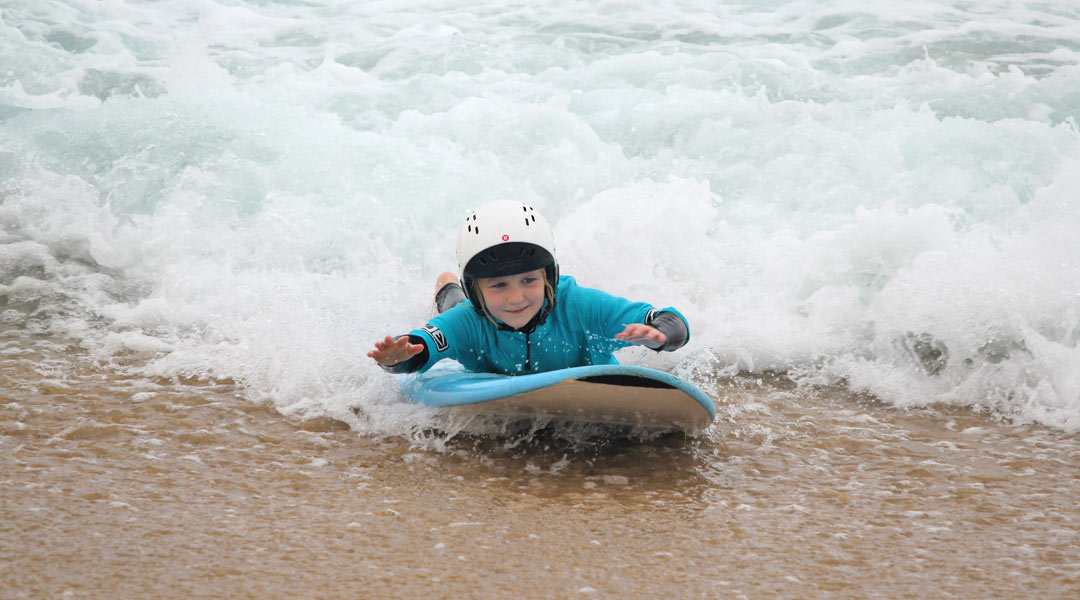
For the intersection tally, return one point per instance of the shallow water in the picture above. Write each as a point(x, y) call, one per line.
point(187, 490)
point(210, 209)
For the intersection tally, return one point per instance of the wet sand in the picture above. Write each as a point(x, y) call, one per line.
point(125, 488)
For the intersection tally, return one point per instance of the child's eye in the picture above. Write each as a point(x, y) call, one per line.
point(529, 280)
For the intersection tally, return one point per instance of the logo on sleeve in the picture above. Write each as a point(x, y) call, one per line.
point(650, 316)
point(440, 339)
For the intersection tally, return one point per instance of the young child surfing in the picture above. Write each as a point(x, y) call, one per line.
point(512, 313)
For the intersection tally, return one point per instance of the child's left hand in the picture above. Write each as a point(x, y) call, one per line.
point(640, 333)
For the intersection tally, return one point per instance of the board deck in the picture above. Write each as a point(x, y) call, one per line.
point(606, 394)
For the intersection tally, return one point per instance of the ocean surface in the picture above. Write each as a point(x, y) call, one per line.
point(211, 209)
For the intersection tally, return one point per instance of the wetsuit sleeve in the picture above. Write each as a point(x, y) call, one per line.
point(449, 296)
point(673, 326)
point(452, 335)
point(608, 315)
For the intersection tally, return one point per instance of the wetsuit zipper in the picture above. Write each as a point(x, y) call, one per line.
point(528, 353)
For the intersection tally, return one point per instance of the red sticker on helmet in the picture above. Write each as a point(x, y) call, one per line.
point(506, 238)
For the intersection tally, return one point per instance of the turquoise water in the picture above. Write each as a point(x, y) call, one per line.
point(881, 198)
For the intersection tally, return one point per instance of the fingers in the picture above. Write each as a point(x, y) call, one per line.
point(391, 351)
point(387, 344)
point(639, 333)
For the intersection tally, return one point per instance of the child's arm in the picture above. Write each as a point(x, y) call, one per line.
point(629, 322)
point(445, 336)
point(664, 331)
point(394, 354)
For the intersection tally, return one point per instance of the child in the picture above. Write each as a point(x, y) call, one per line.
point(513, 314)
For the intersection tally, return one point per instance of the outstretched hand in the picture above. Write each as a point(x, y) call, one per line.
point(640, 333)
point(390, 351)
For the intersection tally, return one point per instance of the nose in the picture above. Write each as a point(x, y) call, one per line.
point(515, 294)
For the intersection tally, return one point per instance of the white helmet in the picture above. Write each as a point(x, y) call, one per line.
point(505, 238)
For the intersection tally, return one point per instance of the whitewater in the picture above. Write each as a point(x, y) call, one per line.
point(256, 191)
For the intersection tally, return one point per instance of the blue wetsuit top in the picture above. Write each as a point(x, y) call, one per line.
point(579, 331)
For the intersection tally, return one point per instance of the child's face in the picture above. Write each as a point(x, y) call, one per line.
point(515, 299)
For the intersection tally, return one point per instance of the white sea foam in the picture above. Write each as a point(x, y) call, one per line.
point(878, 196)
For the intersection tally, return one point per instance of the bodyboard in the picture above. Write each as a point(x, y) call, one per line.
point(620, 395)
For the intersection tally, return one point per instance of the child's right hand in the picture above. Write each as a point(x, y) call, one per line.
point(390, 352)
